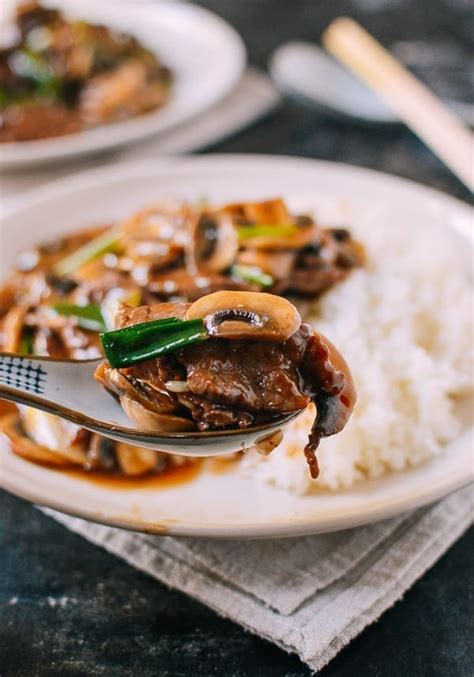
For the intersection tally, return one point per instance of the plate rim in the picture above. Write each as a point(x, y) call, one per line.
point(275, 529)
point(286, 528)
point(26, 199)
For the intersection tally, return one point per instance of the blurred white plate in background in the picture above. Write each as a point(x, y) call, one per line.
point(206, 55)
point(226, 504)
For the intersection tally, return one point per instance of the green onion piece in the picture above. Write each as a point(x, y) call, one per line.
point(104, 243)
point(136, 334)
point(26, 342)
point(87, 317)
point(169, 338)
point(252, 274)
point(249, 232)
point(7, 97)
point(32, 65)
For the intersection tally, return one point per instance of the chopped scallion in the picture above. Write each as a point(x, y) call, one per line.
point(250, 232)
point(26, 342)
point(102, 244)
point(88, 317)
point(136, 334)
point(252, 274)
point(162, 340)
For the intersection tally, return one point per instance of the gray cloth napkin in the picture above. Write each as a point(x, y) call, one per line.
point(309, 595)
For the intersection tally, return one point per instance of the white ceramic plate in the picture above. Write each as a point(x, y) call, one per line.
point(225, 504)
point(206, 55)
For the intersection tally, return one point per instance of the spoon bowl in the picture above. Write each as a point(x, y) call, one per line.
point(67, 388)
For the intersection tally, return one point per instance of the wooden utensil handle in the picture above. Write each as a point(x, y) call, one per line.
point(414, 103)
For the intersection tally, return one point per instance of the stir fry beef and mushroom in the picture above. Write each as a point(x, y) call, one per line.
point(246, 359)
point(61, 76)
point(63, 294)
point(183, 253)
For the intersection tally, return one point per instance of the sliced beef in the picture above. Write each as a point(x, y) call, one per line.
point(249, 375)
point(128, 315)
point(210, 415)
point(228, 383)
point(234, 383)
point(311, 281)
point(322, 264)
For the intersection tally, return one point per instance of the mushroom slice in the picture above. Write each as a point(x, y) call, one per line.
point(278, 263)
point(215, 243)
point(23, 446)
point(246, 315)
point(268, 211)
point(273, 215)
point(59, 436)
point(101, 453)
point(152, 396)
point(134, 460)
point(151, 421)
point(13, 327)
point(7, 297)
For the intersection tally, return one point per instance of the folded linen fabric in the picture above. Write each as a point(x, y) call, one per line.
point(309, 595)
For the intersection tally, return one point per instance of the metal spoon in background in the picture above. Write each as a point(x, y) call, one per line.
point(305, 71)
point(67, 388)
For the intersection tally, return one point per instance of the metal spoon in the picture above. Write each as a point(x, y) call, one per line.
point(67, 388)
point(305, 71)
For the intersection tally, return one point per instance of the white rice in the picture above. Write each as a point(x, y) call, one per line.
point(404, 324)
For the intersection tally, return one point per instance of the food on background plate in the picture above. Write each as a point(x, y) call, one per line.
point(228, 360)
point(63, 294)
point(61, 76)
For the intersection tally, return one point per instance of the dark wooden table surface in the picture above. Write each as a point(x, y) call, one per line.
point(69, 608)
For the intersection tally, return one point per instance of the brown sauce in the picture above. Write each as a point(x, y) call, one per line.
point(171, 477)
point(310, 454)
